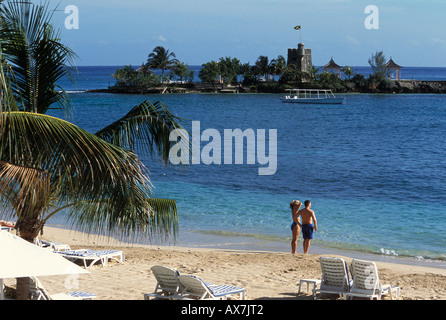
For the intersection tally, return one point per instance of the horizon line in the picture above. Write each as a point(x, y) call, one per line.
point(198, 65)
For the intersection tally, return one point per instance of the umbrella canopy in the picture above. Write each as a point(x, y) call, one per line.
point(19, 258)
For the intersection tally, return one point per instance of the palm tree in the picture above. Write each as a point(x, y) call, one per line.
point(126, 76)
point(292, 74)
point(48, 165)
point(348, 71)
point(229, 69)
point(312, 71)
point(181, 70)
point(209, 72)
point(6, 96)
point(263, 66)
point(147, 122)
point(278, 65)
point(160, 58)
point(37, 56)
point(102, 186)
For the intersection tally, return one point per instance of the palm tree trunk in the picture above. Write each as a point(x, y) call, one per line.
point(22, 285)
point(28, 229)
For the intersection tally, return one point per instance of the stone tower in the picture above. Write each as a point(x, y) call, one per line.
point(300, 57)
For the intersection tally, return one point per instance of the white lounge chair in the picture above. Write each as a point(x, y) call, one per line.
point(55, 246)
point(335, 277)
point(117, 255)
point(90, 257)
point(366, 282)
point(7, 229)
point(38, 292)
point(196, 288)
point(167, 286)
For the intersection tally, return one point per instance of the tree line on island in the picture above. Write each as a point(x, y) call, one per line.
point(264, 76)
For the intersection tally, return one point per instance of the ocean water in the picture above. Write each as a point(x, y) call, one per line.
point(374, 169)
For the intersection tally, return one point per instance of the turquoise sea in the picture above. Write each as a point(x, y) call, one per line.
point(374, 168)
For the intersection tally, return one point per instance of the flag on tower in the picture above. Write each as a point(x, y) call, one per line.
point(297, 27)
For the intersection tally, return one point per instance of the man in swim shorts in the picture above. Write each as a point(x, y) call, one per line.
point(308, 219)
point(307, 231)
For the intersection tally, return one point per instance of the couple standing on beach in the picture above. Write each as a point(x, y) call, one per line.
point(308, 218)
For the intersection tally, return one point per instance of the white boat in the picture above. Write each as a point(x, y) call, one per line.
point(312, 96)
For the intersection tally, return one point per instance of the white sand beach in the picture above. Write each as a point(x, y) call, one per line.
point(264, 275)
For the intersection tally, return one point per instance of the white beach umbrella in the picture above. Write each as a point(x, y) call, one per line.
point(19, 258)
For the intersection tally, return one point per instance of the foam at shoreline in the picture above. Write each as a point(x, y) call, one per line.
point(228, 241)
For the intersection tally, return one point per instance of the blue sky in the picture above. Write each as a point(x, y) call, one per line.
point(114, 32)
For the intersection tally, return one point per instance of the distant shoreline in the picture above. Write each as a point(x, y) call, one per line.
point(398, 86)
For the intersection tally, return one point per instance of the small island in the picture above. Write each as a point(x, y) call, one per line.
point(229, 75)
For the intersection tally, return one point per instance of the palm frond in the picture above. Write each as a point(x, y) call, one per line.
point(38, 58)
point(145, 128)
point(24, 189)
point(165, 218)
point(7, 101)
point(161, 223)
point(107, 185)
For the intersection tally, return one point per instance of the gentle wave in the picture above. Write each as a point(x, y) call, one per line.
point(388, 252)
point(225, 233)
point(76, 91)
point(424, 256)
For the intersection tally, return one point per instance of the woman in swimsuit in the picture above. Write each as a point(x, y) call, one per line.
point(295, 226)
